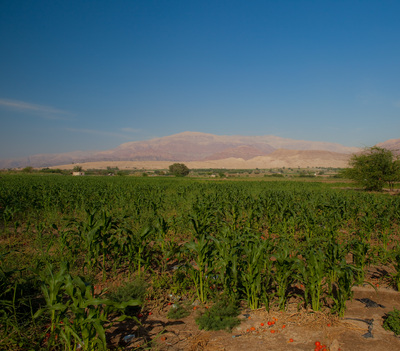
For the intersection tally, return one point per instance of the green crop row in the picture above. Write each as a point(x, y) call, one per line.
point(264, 243)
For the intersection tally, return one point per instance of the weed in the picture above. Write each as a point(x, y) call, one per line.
point(221, 316)
point(134, 290)
point(177, 311)
point(392, 321)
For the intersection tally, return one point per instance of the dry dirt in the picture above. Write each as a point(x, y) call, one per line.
point(360, 329)
point(283, 158)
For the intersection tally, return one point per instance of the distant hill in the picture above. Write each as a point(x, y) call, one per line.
point(391, 144)
point(187, 147)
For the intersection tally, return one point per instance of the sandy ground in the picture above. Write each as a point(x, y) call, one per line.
point(360, 329)
point(294, 329)
point(230, 163)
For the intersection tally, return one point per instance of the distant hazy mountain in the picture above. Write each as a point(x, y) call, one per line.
point(183, 147)
point(391, 144)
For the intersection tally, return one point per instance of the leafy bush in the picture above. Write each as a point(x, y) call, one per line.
point(221, 316)
point(392, 321)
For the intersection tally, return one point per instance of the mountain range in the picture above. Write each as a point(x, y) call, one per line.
point(206, 148)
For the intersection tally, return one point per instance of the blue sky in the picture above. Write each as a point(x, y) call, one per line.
point(90, 75)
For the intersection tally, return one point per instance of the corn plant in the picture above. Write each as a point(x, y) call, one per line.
point(166, 248)
point(227, 252)
point(9, 321)
point(334, 257)
point(284, 267)
point(8, 216)
point(360, 250)
point(312, 273)
point(200, 250)
point(77, 316)
point(94, 237)
point(88, 233)
point(342, 288)
point(104, 241)
point(233, 215)
point(141, 241)
point(52, 289)
point(133, 246)
point(396, 264)
point(256, 271)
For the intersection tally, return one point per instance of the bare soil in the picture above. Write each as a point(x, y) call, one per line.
point(283, 158)
point(360, 328)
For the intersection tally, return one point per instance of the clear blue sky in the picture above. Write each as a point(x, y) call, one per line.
point(90, 75)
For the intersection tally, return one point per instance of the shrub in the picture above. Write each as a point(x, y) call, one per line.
point(221, 316)
point(392, 321)
point(134, 290)
point(177, 311)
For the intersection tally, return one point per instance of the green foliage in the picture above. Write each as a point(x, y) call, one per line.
point(76, 314)
point(306, 174)
point(395, 257)
point(374, 168)
point(345, 280)
point(256, 270)
point(284, 272)
point(94, 236)
point(360, 250)
point(134, 290)
point(200, 250)
point(275, 175)
point(392, 321)
point(177, 311)
point(77, 169)
point(248, 241)
point(51, 170)
point(221, 316)
point(27, 169)
point(179, 169)
point(15, 308)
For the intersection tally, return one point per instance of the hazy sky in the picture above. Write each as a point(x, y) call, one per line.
point(90, 75)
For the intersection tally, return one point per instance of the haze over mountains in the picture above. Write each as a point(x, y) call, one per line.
point(248, 151)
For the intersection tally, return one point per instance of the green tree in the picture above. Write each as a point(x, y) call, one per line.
point(28, 169)
point(374, 168)
point(77, 169)
point(179, 169)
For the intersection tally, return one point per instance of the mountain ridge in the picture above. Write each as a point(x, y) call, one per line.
point(192, 147)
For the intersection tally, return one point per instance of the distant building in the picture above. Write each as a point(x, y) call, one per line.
point(78, 173)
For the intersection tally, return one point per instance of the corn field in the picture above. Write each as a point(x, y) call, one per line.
point(262, 243)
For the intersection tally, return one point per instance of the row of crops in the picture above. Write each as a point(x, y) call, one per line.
point(259, 243)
